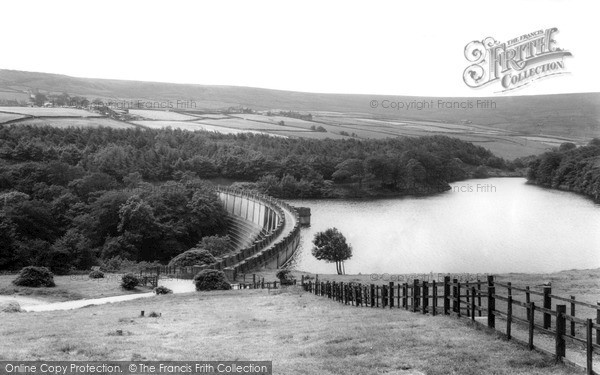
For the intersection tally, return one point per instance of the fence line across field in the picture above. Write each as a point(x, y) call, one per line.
point(481, 302)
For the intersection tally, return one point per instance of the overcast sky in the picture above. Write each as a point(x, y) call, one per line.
point(370, 47)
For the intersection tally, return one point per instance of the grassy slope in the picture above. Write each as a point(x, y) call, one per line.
point(70, 288)
point(518, 126)
point(568, 114)
point(583, 284)
point(299, 332)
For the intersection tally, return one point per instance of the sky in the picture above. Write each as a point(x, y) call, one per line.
point(362, 47)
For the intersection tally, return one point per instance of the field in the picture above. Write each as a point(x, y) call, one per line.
point(161, 115)
point(4, 117)
point(194, 126)
point(69, 288)
point(58, 117)
point(514, 126)
point(278, 326)
point(92, 122)
point(584, 284)
point(49, 112)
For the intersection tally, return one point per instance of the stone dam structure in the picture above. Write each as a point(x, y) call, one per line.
point(265, 231)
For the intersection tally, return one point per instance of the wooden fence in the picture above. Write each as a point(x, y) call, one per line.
point(483, 301)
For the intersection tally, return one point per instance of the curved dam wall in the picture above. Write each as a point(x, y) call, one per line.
point(266, 232)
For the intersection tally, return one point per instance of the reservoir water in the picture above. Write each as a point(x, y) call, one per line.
point(496, 225)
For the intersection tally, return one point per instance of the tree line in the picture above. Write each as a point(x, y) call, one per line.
point(569, 168)
point(72, 197)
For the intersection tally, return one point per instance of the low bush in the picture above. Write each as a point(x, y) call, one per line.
point(10, 307)
point(285, 277)
point(96, 274)
point(211, 280)
point(162, 290)
point(35, 277)
point(193, 257)
point(129, 281)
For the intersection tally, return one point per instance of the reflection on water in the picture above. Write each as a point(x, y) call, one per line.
point(480, 226)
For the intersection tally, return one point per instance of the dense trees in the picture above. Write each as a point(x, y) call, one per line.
point(69, 197)
point(569, 168)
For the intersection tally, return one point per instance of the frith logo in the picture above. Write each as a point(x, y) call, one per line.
point(515, 63)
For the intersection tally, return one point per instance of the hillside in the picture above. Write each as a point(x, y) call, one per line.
point(301, 333)
point(517, 126)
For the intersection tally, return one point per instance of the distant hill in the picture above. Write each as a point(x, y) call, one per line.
point(566, 115)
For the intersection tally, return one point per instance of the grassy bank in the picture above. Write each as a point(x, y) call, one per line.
point(583, 284)
point(299, 332)
point(70, 287)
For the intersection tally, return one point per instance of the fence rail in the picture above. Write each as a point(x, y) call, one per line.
point(481, 300)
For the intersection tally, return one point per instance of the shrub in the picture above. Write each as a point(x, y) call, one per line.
point(10, 307)
point(285, 277)
point(129, 281)
point(162, 290)
point(96, 274)
point(193, 257)
point(154, 314)
point(35, 277)
point(211, 280)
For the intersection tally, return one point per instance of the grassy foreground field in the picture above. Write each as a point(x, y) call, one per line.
point(299, 332)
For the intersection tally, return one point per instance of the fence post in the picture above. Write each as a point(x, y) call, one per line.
point(458, 298)
point(391, 293)
point(491, 303)
point(377, 296)
point(446, 295)
point(561, 330)
point(479, 297)
point(573, 315)
point(589, 349)
point(472, 303)
point(434, 300)
point(360, 295)
point(398, 295)
point(527, 299)
point(347, 293)
point(509, 317)
point(372, 295)
point(405, 295)
point(598, 323)
point(468, 300)
point(384, 296)
point(415, 295)
point(454, 293)
point(547, 305)
point(531, 317)
point(425, 303)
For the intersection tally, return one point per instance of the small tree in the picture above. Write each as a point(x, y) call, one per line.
point(285, 277)
point(211, 280)
point(331, 246)
point(129, 281)
point(35, 277)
